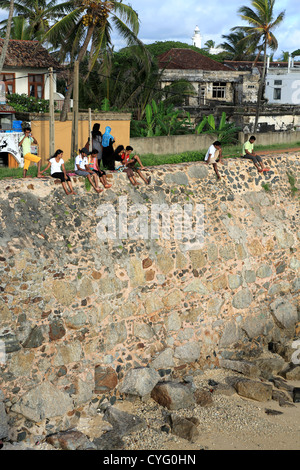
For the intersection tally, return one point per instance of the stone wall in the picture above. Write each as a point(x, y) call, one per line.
point(77, 312)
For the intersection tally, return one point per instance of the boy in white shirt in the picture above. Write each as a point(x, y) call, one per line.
point(82, 169)
point(214, 155)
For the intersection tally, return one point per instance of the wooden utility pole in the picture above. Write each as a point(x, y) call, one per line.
point(90, 130)
point(74, 143)
point(51, 114)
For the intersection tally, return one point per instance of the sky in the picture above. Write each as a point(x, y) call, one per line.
point(166, 20)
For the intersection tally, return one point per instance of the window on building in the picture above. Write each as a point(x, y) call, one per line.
point(201, 94)
point(277, 93)
point(9, 82)
point(36, 85)
point(277, 82)
point(219, 90)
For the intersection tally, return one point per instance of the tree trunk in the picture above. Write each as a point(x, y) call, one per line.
point(7, 35)
point(260, 88)
point(66, 105)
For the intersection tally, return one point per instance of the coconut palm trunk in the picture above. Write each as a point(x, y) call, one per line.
point(7, 35)
point(260, 89)
point(82, 52)
point(261, 22)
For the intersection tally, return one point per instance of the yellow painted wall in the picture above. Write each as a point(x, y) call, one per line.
point(120, 129)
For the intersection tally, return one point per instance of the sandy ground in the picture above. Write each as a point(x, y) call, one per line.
point(230, 423)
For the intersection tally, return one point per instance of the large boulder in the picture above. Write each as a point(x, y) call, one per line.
point(42, 402)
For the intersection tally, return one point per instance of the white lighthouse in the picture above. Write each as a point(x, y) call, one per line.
point(197, 38)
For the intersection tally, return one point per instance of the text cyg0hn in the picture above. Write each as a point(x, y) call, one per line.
point(182, 223)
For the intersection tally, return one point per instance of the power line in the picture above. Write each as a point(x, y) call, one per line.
point(160, 90)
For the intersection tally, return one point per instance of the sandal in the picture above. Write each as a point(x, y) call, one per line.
point(108, 186)
point(266, 169)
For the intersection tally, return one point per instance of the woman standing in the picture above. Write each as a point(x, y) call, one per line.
point(58, 171)
point(97, 141)
point(108, 150)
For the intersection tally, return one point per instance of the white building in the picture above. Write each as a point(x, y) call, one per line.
point(26, 69)
point(197, 38)
point(283, 82)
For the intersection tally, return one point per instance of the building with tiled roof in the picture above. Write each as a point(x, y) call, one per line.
point(188, 59)
point(213, 82)
point(26, 68)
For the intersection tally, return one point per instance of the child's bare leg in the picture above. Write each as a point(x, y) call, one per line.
point(220, 160)
point(94, 183)
point(133, 181)
point(39, 175)
point(65, 188)
point(139, 161)
point(104, 181)
point(71, 187)
point(216, 171)
point(142, 176)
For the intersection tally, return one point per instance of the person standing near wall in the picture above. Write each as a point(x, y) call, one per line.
point(96, 142)
point(25, 143)
point(108, 149)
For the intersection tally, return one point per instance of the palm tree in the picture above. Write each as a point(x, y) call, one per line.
point(285, 56)
point(38, 13)
point(210, 44)
point(262, 22)
point(6, 40)
point(88, 24)
point(20, 29)
point(237, 45)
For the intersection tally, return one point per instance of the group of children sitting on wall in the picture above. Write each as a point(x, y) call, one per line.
point(87, 163)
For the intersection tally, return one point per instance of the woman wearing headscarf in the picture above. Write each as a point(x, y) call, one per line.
point(108, 150)
point(97, 141)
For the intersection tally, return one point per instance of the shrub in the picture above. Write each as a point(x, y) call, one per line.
point(29, 104)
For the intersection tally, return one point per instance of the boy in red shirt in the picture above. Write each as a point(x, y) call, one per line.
point(130, 162)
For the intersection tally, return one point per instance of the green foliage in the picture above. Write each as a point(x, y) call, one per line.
point(162, 119)
point(160, 47)
point(30, 104)
point(105, 106)
point(292, 182)
point(266, 187)
point(154, 160)
point(226, 132)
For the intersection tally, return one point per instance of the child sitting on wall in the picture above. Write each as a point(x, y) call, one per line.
point(214, 156)
point(93, 164)
point(130, 162)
